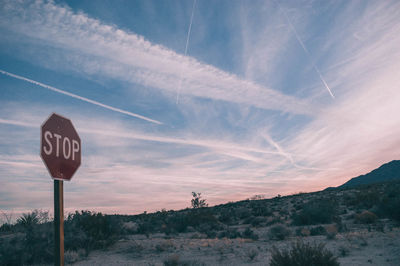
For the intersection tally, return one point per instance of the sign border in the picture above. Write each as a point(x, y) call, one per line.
point(41, 145)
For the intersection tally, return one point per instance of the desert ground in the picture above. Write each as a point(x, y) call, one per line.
point(359, 247)
point(349, 226)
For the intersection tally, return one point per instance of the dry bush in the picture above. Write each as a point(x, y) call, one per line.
point(318, 230)
point(252, 254)
point(175, 260)
point(279, 232)
point(331, 231)
point(320, 211)
point(165, 246)
point(248, 233)
point(366, 217)
point(71, 256)
point(303, 254)
point(32, 242)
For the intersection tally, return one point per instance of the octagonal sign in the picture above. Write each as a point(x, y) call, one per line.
point(60, 147)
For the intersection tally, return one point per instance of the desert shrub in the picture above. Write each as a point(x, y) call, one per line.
point(303, 254)
point(175, 260)
point(257, 221)
point(316, 212)
point(252, 254)
point(366, 217)
point(197, 217)
point(226, 217)
point(211, 234)
point(176, 223)
point(200, 219)
point(28, 220)
point(242, 212)
point(249, 220)
point(6, 228)
point(258, 208)
point(278, 232)
point(145, 227)
point(164, 246)
point(207, 228)
point(71, 256)
point(133, 250)
point(390, 204)
point(32, 244)
point(330, 235)
point(89, 230)
point(318, 230)
point(302, 231)
point(283, 212)
point(12, 250)
point(273, 220)
point(130, 227)
point(248, 233)
point(343, 251)
point(229, 233)
point(254, 221)
point(331, 231)
point(366, 198)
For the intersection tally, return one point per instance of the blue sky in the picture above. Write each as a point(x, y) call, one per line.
point(262, 97)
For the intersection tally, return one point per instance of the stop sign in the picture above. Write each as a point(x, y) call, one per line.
point(60, 147)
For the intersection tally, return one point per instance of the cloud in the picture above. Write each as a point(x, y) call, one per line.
point(109, 51)
point(361, 130)
point(227, 151)
point(127, 164)
point(356, 47)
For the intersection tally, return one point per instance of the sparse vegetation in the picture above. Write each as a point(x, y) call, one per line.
point(328, 213)
point(248, 233)
point(31, 243)
point(89, 230)
point(316, 212)
point(175, 260)
point(229, 233)
point(318, 230)
point(279, 232)
point(303, 254)
point(252, 254)
point(366, 217)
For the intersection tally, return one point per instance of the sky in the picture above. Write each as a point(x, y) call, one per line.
point(228, 98)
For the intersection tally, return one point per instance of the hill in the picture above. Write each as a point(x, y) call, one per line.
point(352, 225)
point(386, 172)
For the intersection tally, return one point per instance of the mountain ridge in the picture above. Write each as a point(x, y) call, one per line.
point(386, 172)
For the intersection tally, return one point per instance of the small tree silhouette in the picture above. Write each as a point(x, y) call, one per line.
point(197, 201)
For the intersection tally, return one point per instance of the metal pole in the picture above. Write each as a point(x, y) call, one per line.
point(58, 223)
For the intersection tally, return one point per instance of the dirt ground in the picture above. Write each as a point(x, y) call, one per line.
point(359, 247)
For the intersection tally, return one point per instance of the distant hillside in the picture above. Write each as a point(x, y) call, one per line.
point(386, 172)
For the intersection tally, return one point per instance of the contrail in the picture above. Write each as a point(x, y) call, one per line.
point(80, 97)
point(186, 48)
point(278, 148)
point(290, 157)
point(305, 49)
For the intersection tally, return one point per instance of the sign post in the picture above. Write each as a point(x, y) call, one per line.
point(58, 222)
point(60, 149)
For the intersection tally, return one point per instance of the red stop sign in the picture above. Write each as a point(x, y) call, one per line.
point(60, 147)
